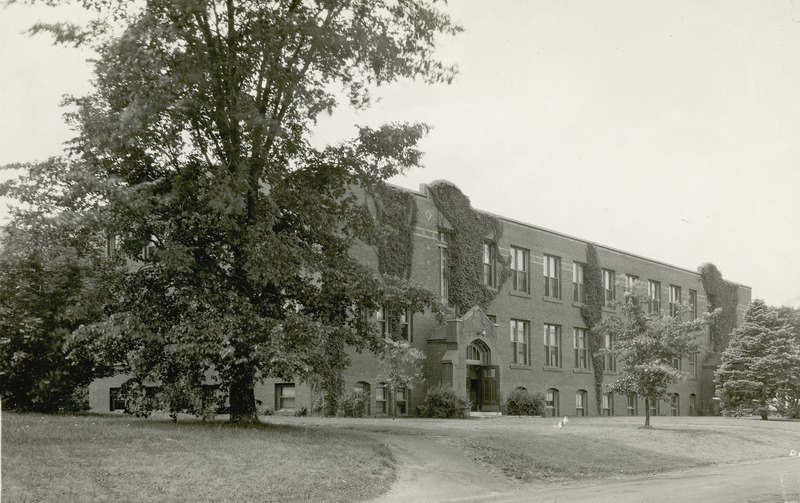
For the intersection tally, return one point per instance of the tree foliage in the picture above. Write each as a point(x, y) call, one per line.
point(761, 362)
point(400, 366)
point(54, 278)
point(198, 130)
point(646, 346)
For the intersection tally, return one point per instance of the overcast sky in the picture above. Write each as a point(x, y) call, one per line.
point(666, 129)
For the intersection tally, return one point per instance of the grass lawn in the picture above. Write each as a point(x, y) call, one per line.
point(616, 447)
point(529, 449)
point(63, 458)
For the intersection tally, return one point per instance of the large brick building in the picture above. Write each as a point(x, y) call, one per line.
point(531, 335)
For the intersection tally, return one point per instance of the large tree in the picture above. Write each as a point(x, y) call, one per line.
point(761, 362)
point(647, 346)
point(198, 128)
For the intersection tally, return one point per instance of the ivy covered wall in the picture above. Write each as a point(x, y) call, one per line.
point(470, 230)
point(720, 294)
point(592, 313)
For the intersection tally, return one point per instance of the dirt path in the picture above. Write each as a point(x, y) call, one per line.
point(432, 471)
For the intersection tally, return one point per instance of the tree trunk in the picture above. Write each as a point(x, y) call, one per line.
point(763, 410)
point(242, 396)
point(647, 412)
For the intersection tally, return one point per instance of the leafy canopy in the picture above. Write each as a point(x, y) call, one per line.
point(197, 134)
point(646, 345)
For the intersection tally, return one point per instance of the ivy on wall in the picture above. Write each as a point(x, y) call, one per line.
point(592, 313)
point(396, 212)
point(470, 229)
point(720, 294)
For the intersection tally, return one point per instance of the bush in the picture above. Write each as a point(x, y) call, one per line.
point(443, 401)
point(522, 403)
point(354, 404)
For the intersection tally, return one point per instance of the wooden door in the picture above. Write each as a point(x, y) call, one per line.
point(489, 387)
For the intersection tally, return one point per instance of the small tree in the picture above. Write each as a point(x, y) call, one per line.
point(400, 366)
point(760, 363)
point(646, 345)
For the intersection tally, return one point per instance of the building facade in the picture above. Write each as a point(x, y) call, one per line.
point(530, 335)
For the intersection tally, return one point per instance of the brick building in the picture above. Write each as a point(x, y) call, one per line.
point(531, 335)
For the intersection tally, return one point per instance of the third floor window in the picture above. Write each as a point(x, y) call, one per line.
point(552, 277)
point(519, 269)
point(578, 286)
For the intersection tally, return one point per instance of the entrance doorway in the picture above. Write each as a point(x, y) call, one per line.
point(482, 378)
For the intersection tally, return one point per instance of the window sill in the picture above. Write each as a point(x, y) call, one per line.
point(578, 304)
point(609, 372)
point(554, 300)
point(517, 366)
point(519, 293)
point(607, 309)
point(581, 371)
point(548, 368)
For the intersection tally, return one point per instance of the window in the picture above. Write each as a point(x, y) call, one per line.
point(552, 341)
point(284, 397)
point(405, 325)
point(380, 398)
point(676, 362)
point(115, 402)
point(630, 284)
point(674, 404)
point(580, 403)
point(551, 403)
point(692, 404)
point(520, 334)
point(488, 263)
point(519, 269)
point(633, 404)
point(654, 408)
point(654, 292)
point(444, 275)
point(401, 399)
point(674, 300)
point(609, 280)
point(578, 286)
point(477, 355)
point(581, 342)
point(383, 322)
point(609, 360)
point(112, 246)
point(692, 305)
point(362, 388)
point(693, 364)
point(608, 404)
point(386, 324)
point(552, 278)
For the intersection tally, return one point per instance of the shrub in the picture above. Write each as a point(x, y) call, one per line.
point(522, 403)
point(443, 401)
point(354, 404)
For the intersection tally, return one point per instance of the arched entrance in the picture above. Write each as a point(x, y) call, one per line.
point(481, 377)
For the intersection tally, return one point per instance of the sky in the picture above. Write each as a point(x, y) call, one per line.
point(666, 129)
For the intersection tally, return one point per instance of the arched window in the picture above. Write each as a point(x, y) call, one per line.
point(363, 388)
point(478, 353)
point(580, 402)
point(551, 403)
point(675, 404)
point(692, 404)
